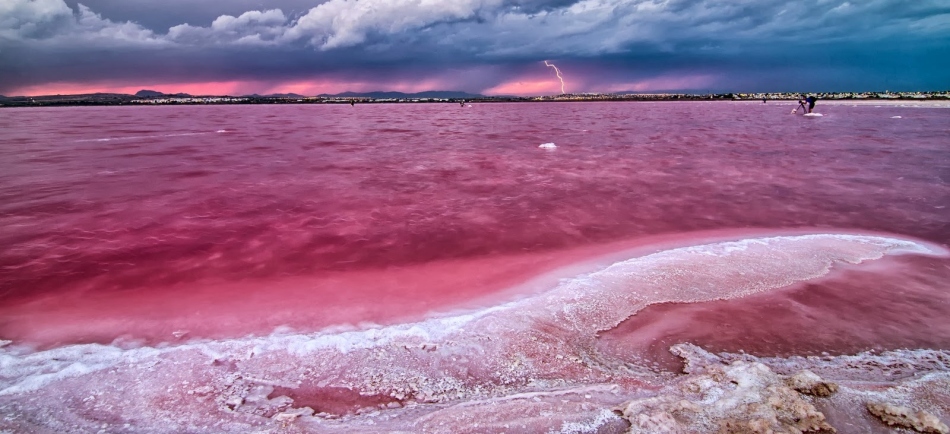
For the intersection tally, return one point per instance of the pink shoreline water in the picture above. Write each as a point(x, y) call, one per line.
point(348, 299)
point(881, 306)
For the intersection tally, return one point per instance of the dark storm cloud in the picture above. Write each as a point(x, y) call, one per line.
point(811, 44)
point(536, 6)
point(159, 16)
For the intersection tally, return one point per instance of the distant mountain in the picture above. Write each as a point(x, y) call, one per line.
point(145, 93)
point(401, 95)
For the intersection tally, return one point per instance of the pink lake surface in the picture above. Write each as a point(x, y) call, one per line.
point(160, 226)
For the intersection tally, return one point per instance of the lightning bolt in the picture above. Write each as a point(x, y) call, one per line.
point(558, 72)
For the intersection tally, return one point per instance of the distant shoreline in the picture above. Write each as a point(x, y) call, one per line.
point(133, 100)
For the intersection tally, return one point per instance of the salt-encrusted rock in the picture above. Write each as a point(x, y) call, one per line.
point(895, 415)
point(292, 414)
point(695, 359)
point(234, 402)
point(742, 397)
point(809, 383)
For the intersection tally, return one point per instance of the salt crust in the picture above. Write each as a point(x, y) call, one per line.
point(524, 366)
point(895, 415)
point(810, 384)
point(733, 393)
point(741, 397)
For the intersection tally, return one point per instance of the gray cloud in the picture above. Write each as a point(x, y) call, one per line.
point(35, 19)
point(50, 23)
point(495, 40)
point(159, 16)
point(253, 28)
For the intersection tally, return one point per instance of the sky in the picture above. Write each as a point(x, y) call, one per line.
point(492, 47)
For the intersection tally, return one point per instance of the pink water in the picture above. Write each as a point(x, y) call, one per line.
point(160, 225)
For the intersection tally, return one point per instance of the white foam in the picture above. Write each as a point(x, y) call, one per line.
point(25, 371)
point(592, 426)
point(109, 139)
point(710, 272)
point(547, 146)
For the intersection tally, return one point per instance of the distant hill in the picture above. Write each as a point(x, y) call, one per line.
point(401, 95)
point(82, 99)
point(145, 93)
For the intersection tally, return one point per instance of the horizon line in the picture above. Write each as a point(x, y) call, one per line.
point(694, 92)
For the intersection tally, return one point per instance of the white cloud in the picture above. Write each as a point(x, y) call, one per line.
point(253, 27)
point(342, 23)
point(32, 18)
point(52, 21)
point(92, 26)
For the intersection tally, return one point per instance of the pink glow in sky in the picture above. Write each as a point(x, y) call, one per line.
point(525, 87)
point(194, 88)
point(535, 84)
point(316, 87)
point(71, 89)
point(234, 88)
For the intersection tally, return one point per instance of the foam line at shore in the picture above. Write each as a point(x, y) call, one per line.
point(505, 340)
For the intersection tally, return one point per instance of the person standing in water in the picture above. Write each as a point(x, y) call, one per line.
point(811, 102)
point(801, 105)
